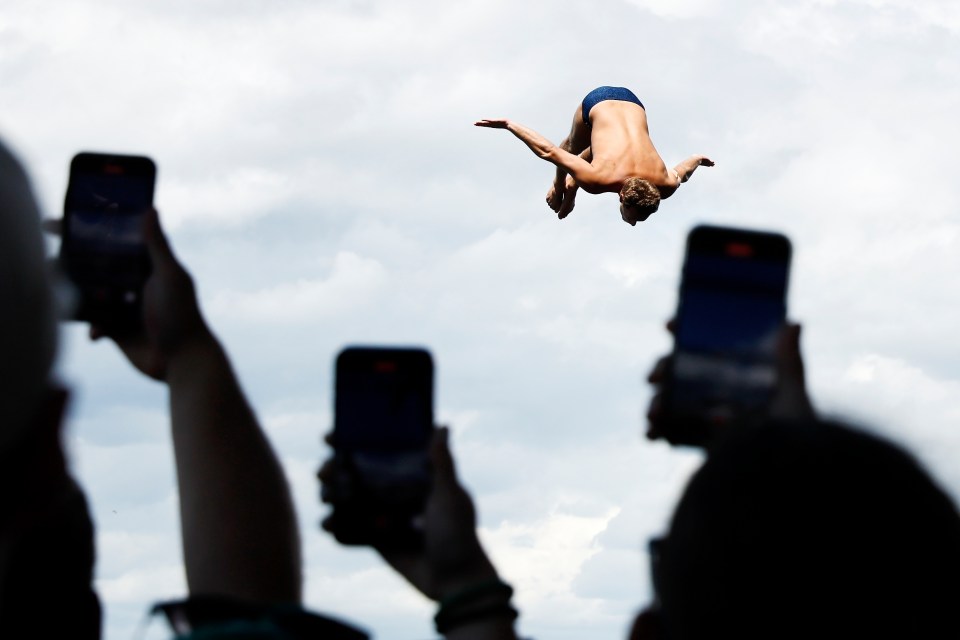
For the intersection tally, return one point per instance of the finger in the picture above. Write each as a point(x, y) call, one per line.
point(647, 626)
point(328, 523)
point(444, 468)
point(325, 494)
point(327, 470)
point(659, 372)
point(97, 332)
point(654, 413)
point(791, 401)
point(53, 226)
point(672, 326)
point(789, 361)
point(157, 244)
point(655, 408)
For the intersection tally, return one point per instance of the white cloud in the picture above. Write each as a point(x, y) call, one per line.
point(906, 403)
point(678, 8)
point(144, 586)
point(542, 559)
point(321, 178)
point(352, 284)
point(232, 199)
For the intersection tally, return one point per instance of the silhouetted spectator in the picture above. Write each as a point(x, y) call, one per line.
point(808, 530)
point(241, 548)
point(803, 528)
point(46, 535)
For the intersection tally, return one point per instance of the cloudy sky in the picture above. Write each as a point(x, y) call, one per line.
point(320, 176)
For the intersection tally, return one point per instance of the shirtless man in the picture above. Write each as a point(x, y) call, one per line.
point(608, 150)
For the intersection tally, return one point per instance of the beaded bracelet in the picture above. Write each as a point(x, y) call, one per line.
point(449, 621)
point(457, 609)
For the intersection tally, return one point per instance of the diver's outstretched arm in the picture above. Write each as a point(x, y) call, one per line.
point(686, 168)
point(581, 170)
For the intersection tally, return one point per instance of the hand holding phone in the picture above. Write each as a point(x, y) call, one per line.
point(171, 313)
point(383, 424)
point(732, 307)
point(450, 556)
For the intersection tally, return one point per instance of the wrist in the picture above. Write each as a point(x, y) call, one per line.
point(470, 568)
point(481, 609)
point(483, 573)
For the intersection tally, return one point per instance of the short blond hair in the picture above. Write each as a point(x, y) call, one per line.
point(640, 196)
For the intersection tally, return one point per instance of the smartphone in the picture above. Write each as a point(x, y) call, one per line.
point(383, 423)
point(102, 251)
point(732, 306)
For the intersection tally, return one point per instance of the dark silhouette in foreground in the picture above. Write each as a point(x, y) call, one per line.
point(803, 528)
point(808, 530)
point(46, 534)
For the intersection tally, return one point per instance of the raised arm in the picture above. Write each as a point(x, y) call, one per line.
point(686, 168)
point(576, 166)
point(240, 536)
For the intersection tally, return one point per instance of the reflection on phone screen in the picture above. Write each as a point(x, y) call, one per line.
point(383, 417)
point(105, 254)
point(731, 313)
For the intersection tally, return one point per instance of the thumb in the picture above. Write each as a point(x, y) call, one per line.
point(444, 468)
point(791, 400)
point(157, 244)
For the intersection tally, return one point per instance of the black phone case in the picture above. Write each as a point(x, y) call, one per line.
point(108, 281)
point(382, 481)
point(747, 245)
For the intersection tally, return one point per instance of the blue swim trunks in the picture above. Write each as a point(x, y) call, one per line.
point(607, 93)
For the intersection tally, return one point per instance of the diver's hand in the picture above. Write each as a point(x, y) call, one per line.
point(493, 123)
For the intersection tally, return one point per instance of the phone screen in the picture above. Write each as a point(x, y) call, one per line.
point(103, 250)
point(384, 399)
point(383, 422)
point(731, 309)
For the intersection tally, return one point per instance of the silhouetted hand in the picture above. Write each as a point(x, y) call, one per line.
point(646, 626)
point(790, 400)
point(171, 315)
point(452, 557)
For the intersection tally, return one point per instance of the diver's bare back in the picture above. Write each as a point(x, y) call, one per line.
point(621, 148)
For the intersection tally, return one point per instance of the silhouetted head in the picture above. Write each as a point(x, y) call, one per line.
point(28, 329)
point(813, 531)
point(638, 200)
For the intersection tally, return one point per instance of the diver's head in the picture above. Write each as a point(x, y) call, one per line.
point(638, 200)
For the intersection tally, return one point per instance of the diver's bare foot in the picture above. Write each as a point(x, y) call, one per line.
point(555, 198)
point(569, 201)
